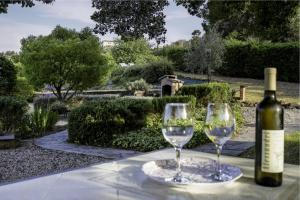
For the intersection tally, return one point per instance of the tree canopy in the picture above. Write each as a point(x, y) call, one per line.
point(8, 76)
point(131, 19)
point(206, 51)
point(267, 20)
point(65, 59)
point(24, 3)
point(134, 51)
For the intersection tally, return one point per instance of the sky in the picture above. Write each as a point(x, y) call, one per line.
point(41, 19)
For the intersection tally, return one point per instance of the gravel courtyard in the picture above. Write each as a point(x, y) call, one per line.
point(30, 161)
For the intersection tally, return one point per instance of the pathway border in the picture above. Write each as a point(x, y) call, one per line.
point(58, 141)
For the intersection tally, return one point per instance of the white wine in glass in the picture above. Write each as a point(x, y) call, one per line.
point(178, 129)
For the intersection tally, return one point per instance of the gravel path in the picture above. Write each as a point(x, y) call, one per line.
point(291, 123)
point(30, 161)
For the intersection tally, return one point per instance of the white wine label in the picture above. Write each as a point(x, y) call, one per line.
point(272, 151)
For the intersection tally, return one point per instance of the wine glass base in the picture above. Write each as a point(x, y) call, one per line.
point(177, 180)
point(221, 177)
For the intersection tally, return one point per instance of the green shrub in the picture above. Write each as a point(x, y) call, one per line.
point(160, 102)
point(208, 92)
point(42, 120)
point(151, 138)
point(146, 139)
point(138, 85)
point(154, 70)
point(176, 54)
point(59, 107)
point(8, 76)
point(248, 59)
point(133, 71)
point(24, 89)
point(12, 110)
point(96, 122)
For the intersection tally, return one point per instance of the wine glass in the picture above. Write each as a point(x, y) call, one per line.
point(178, 129)
point(219, 127)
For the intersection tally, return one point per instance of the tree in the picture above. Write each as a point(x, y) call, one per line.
point(207, 54)
point(135, 51)
point(267, 20)
point(8, 76)
point(130, 19)
point(64, 60)
point(24, 3)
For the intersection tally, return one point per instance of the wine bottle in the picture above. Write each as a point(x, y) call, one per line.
point(269, 138)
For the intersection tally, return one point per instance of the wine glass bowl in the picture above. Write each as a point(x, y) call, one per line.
point(178, 129)
point(219, 127)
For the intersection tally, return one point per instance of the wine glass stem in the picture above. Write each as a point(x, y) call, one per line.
point(219, 149)
point(178, 169)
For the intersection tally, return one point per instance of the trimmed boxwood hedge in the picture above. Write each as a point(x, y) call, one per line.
point(208, 92)
point(95, 123)
point(248, 59)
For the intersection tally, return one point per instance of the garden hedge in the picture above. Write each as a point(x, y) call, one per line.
point(176, 54)
point(208, 92)
point(12, 111)
point(246, 59)
point(95, 123)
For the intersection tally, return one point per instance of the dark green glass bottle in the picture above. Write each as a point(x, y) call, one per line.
point(269, 138)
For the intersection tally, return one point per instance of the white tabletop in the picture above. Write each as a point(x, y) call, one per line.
point(124, 179)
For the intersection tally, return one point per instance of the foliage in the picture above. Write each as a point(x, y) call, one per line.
point(108, 68)
point(160, 102)
point(174, 53)
point(156, 69)
point(59, 107)
point(138, 85)
point(143, 140)
point(208, 92)
point(150, 72)
point(267, 20)
point(24, 89)
point(248, 59)
point(207, 52)
point(151, 137)
point(64, 59)
point(136, 51)
point(96, 122)
point(12, 110)
point(130, 19)
point(25, 3)
point(8, 76)
point(133, 124)
point(42, 120)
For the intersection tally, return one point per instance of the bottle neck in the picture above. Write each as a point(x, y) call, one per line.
point(271, 94)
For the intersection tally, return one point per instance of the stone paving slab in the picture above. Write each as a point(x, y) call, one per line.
point(58, 141)
point(230, 148)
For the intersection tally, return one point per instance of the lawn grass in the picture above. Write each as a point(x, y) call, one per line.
point(291, 149)
point(287, 92)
